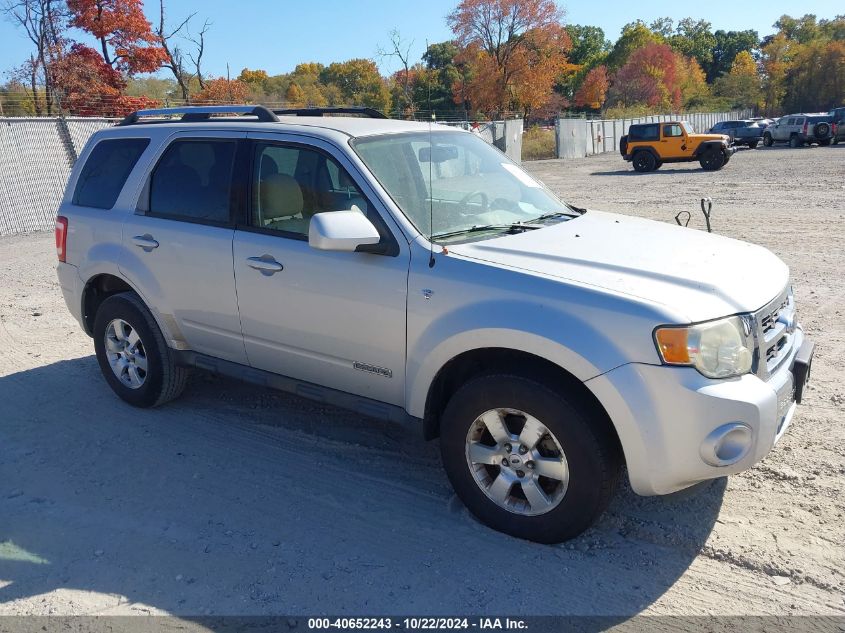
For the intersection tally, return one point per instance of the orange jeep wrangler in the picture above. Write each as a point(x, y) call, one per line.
point(649, 145)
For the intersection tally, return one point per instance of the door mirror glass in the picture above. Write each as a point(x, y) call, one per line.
point(341, 231)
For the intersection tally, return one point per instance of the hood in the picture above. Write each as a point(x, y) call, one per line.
point(711, 137)
point(694, 274)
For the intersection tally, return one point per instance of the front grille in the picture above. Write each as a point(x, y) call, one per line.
point(774, 333)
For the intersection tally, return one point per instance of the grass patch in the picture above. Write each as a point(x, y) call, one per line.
point(538, 143)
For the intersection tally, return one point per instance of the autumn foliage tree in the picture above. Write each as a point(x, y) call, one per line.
point(593, 90)
point(515, 49)
point(222, 90)
point(649, 77)
point(127, 41)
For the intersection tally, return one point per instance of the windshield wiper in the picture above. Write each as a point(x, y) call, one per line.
point(558, 214)
point(516, 226)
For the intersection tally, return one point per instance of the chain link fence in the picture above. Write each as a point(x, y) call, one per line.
point(37, 154)
point(577, 138)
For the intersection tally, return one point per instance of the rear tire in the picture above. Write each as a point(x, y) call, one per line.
point(133, 355)
point(767, 140)
point(753, 145)
point(573, 445)
point(794, 142)
point(712, 160)
point(644, 161)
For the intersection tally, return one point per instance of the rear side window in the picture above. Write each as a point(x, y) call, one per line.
point(650, 132)
point(192, 181)
point(106, 170)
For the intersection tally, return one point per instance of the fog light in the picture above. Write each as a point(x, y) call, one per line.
point(727, 444)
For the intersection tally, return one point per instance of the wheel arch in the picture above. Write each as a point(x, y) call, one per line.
point(489, 360)
point(97, 289)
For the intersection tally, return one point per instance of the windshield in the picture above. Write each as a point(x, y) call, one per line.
point(462, 182)
point(687, 127)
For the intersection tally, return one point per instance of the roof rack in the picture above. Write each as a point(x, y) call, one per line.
point(196, 114)
point(371, 113)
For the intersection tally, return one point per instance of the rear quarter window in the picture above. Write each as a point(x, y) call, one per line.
point(106, 170)
point(650, 132)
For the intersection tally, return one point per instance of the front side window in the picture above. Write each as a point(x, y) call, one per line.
point(106, 170)
point(673, 129)
point(291, 184)
point(192, 181)
point(448, 182)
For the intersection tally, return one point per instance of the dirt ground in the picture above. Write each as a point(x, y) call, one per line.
point(238, 500)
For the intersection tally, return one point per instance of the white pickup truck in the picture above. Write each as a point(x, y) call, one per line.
point(413, 272)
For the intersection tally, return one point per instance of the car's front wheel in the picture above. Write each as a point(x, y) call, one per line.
point(527, 460)
point(753, 145)
point(712, 159)
point(767, 140)
point(133, 355)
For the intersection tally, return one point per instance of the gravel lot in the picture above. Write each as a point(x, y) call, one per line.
point(237, 500)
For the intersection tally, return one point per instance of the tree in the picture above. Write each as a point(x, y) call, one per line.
point(693, 38)
point(649, 77)
point(635, 35)
point(294, 96)
point(593, 91)
point(401, 50)
point(91, 87)
point(728, 45)
point(127, 41)
point(222, 90)
point(695, 92)
point(589, 45)
point(515, 50)
point(44, 22)
point(815, 80)
point(777, 58)
point(175, 57)
point(444, 70)
point(358, 83)
point(742, 84)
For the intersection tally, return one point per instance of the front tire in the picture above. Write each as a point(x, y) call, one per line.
point(767, 140)
point(526, 460)
point(712, 160)
point(133, 355)
point(753, 145)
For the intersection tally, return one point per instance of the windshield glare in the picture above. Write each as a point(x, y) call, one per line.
point(458, 179)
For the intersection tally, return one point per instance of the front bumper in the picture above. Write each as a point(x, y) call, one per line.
point(678, 428)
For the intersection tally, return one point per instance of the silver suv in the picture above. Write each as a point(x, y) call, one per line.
point(800, 129)
point(413, 272)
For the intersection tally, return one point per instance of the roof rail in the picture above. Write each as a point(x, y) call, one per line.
point(371, 113)
point(195, 114)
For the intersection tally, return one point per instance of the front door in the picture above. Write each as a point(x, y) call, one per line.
point(674, 142)
point(177, 246)
point(330, 318)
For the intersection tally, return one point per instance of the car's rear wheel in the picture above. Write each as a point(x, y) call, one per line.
point(527, 460)
point(644, 161)
point(794, 141)
point(753, 145)
point(767, 140)
point(712, 159)
point(133, 355)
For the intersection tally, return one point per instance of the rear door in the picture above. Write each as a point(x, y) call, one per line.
point(177, 246)
point(330, 318)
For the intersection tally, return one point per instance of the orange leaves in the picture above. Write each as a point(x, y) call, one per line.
point(514, 49)
point(223, 90)
point(593, 91)
point(651, 76)
point(121, 26)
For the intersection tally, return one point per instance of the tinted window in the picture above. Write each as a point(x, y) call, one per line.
point(291, 184)
point(106, 171)
point(649, 132)
point(192, 181)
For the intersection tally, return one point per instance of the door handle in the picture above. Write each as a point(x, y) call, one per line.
point(265, 264)
point(145, 241)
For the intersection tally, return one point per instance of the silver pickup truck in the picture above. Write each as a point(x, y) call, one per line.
point(413, 272)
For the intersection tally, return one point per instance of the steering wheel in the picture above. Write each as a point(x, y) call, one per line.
point(485, 201)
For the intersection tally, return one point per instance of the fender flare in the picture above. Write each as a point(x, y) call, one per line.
point(706, 145)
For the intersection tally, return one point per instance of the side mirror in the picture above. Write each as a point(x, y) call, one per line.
point(341, 231)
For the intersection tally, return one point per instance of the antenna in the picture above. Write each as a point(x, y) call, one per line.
point(430, 175)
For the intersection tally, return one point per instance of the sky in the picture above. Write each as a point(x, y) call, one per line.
point(275, 35)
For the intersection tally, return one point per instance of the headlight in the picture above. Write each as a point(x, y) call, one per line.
point(717, 349)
